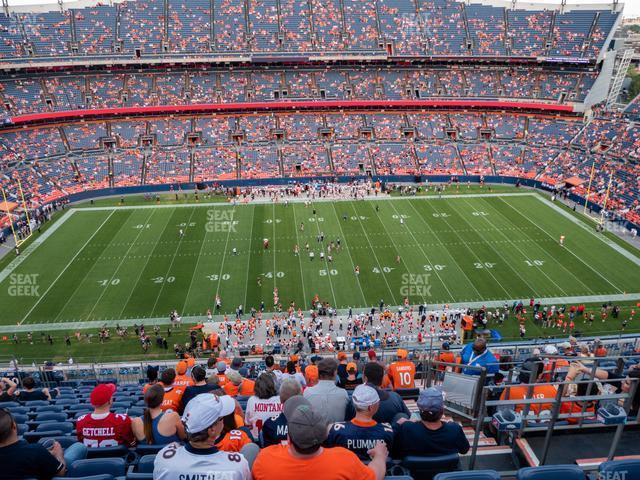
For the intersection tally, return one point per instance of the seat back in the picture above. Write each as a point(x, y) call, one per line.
point(408, 393)
point(64, 427)
point(64, 441)
point(551, 472)
point(97, 466)
point(50, 417)
point(427, 467)
point(630, 468)
point(92, 477)
point(108, 452)
point(475, 475)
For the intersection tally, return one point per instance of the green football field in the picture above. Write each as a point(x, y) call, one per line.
point(106, 264)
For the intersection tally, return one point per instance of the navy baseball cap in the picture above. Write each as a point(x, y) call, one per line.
point(431, 400)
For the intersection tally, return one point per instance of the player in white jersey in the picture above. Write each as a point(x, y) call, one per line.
point(561, 240)
point(199, 458)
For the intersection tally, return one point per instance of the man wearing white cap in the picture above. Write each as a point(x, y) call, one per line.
point(199, 458)
point(362, 433)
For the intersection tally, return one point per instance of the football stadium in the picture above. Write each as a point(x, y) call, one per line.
point(304, 239)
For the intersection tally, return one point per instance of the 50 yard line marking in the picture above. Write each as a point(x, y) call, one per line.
point(353, 265)
point(65, 268)
point(326, 262)
point(246, 284)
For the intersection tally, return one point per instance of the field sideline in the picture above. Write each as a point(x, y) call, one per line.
point(130, 262)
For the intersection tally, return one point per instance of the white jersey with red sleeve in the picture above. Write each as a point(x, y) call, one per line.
point(105, 430)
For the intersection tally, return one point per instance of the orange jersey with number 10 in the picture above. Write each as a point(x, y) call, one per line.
point(402, 374)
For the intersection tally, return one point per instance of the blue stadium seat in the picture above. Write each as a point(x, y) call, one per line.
point(37, 403)
point(50, 417)
point(34, 437)
point(48, 408)
point(64, 427)
point(143, 470)
point(475, 475)
point(19, 410)
point(92, 477)
point(551, 472)
point(22, 429)
point(19, 418)
point(427, 467)
point(64, 441)
point(108, 452)
point(97, 466)
point(135, 412)
point(143, 449)
point(630, 468)
point(117, 405)
point(66, 401)
point(9, 405)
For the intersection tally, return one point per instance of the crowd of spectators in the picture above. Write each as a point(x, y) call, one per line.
point(56, 161)
point(78, 92)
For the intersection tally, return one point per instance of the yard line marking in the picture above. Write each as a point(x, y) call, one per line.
point(425, 256)
point(444, 245)
point(65, 268)
point(263, 201)
point(374, 253)
point(622, 251)
point(353, 265)
point(396, 249)
point(326, 262)
point(295, 227)
point(118, 267)
point(173, 259)
point(224, 256)
point(475, 254)
point(273, 223)
point(246, 286)
point(568, 250)
point(549, 255)
point(512, 268)
point(86, 274)
point(16, 262)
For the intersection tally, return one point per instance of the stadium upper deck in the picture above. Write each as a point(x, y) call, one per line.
point(300, 28)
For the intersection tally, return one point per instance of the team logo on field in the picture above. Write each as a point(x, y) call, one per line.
point(220, 221)
point(24, 285)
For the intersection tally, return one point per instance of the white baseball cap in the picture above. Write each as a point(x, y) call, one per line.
point(204, 410)
point(364, 396)
point(550, 350)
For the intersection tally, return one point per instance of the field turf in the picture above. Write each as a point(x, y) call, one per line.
point(115, 263)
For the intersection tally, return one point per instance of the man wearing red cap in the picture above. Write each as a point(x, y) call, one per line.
point(102, 428)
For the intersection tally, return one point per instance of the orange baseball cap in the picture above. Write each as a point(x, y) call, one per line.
point(352, 366)
point(401, 353)
point(181, 367)
point(294, 358)
point(342, 356)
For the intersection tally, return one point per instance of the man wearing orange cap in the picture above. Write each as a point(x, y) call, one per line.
point(102, 428)
point(402, 372)
point(182, 379)
point(342, 366)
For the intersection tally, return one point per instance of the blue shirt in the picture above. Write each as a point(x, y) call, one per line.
point(359, 437)
point(274, 431)
point(485, 359)
point(413, 438)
